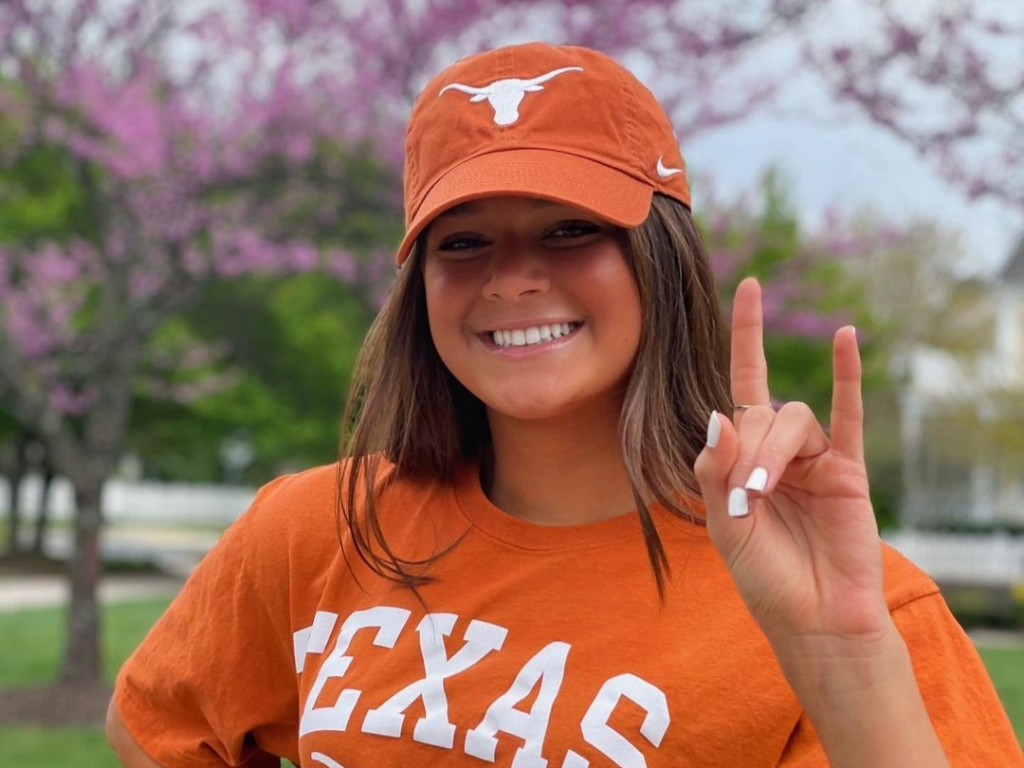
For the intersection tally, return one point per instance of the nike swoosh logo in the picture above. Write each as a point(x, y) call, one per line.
point(664, 172)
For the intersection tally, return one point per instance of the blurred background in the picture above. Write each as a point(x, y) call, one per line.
point(199, 203)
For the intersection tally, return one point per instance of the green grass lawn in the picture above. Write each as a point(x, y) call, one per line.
point(1006, 666)
point(56, 748)
point(34, 636)
point(37, 634)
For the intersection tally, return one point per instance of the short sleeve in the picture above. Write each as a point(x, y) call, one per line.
point(213, 684)
point(961, 701)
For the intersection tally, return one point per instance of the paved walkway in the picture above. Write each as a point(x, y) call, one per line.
point(51, 591)
point(174, 552)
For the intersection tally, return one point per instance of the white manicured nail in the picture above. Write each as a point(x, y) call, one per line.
point(738, 504)
point(758, 480)
point(714, 429)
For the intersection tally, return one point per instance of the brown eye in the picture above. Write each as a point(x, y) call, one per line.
point(460, 243)
point(568, 230)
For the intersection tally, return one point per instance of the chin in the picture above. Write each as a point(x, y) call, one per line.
point(526, 411)
point(527, 405)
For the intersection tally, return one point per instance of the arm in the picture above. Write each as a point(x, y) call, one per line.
point(790, 513)
point(190, 693)
point(128, 752)
point(864, 701)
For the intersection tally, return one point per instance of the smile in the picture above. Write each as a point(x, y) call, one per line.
point(536, 334)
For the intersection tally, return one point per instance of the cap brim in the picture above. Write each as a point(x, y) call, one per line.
point(607, 192)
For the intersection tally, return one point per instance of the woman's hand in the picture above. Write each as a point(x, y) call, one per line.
point(788, 506)
point(789, 512)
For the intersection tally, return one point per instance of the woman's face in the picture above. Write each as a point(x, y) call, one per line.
point(532, 305)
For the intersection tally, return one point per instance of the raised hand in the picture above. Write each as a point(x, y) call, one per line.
point(789, 511)
point(788, 506)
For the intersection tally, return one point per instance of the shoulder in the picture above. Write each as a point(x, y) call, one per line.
point(288, 506)
point(310, 496)
point(904, 582)
point(306, 512)
point(299, 490)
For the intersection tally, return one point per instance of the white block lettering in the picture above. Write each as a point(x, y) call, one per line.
point(481, 638)
point(389, 623)
point(612, 744)
point(313, 639)
point(548, 667)
point(323, 759)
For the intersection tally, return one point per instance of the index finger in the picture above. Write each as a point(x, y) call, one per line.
point(748, 369)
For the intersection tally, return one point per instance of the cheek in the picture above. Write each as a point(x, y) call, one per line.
point(615, 288)
point(446, 297)
point(433, 288)
point(631, 325)
point(625, 312)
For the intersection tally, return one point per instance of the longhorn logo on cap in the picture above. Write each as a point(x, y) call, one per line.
point(506, 95)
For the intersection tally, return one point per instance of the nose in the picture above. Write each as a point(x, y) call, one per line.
point(516, 270)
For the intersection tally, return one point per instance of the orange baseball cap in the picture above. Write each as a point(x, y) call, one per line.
point(561, 123)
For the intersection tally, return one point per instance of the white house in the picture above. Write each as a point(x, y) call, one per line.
point(962, 423)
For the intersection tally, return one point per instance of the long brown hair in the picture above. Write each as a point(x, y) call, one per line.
point(406, 409)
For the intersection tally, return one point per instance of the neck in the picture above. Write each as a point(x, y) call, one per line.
point(564, 472)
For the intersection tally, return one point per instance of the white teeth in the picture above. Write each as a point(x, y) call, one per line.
point(532, 335)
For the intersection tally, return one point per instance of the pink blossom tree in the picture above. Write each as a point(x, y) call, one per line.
point(180, 178)
point(949, 81)
point(200, 145)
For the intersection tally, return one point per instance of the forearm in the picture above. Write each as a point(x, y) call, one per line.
point(128, 752)
point(864, 702)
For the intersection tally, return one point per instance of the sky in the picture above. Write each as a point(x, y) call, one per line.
point(848, 167)
point(846, 162)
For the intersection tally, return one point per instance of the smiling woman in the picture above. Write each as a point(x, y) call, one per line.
point(553, 539)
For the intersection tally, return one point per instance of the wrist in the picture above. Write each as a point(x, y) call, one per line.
point(836, 667)
point(862, 697)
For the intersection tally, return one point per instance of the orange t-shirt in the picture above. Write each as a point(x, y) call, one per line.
point(534, 646)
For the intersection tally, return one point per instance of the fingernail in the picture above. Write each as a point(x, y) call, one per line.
point(738, 504)
point(758, 480)
point(714, 429)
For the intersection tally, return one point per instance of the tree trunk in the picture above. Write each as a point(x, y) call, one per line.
point(82, 650)
point(16, 478)
point(43, 516)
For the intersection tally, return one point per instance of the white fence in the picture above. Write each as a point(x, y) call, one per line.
point(991, 559)
point(983, 559)
point(140, 502)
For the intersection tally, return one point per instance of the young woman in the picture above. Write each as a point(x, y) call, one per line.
point(571, 530)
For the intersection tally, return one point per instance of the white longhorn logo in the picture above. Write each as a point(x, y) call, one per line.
point(505, 95)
